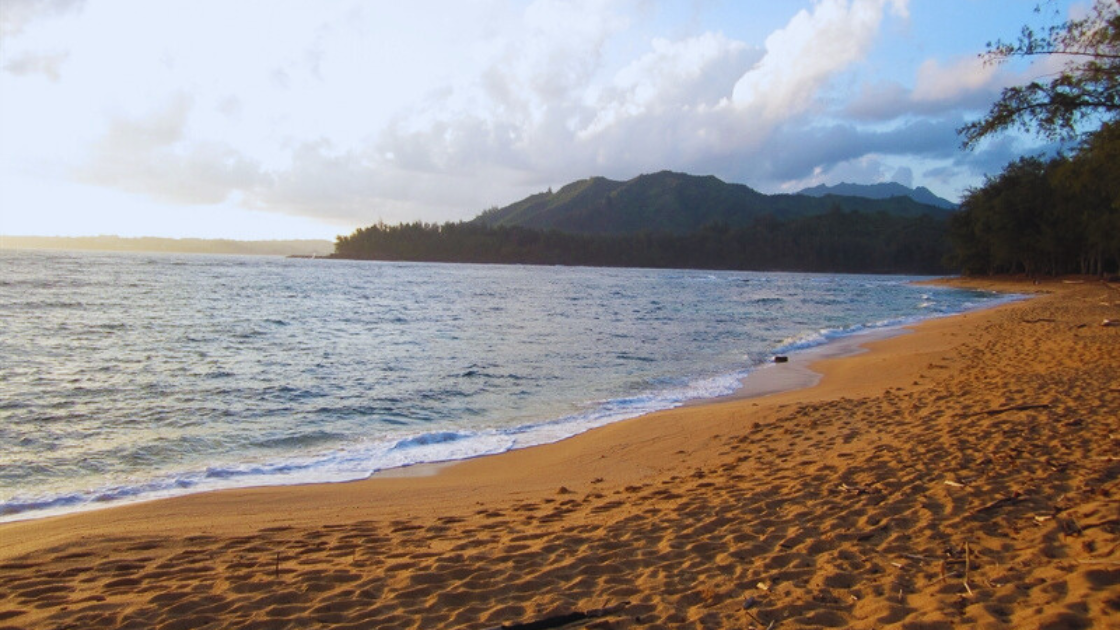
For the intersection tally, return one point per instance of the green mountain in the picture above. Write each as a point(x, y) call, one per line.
point(676, 203)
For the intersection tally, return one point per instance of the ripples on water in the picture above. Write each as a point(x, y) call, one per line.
point(133, 375)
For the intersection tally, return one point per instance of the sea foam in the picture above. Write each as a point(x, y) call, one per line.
point(154, 376)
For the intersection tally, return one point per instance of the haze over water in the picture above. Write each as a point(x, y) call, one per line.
point(133, 376)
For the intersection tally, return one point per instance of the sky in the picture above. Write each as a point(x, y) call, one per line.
point(275, 119)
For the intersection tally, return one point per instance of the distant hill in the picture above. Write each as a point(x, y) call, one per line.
point(676, 203)
point(674, 220)
point(170, 245)
point(921, 194)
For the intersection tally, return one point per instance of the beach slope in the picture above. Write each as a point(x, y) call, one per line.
point(964, 474)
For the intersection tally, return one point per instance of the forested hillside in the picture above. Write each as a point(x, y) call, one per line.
point(675, 203)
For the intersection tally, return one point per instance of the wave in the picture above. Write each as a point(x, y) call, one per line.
point(361, 459)
point(929, 309)
point(393, 440)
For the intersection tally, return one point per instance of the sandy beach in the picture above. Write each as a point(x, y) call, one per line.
point(964, 474)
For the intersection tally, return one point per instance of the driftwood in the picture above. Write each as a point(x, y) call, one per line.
point(561, 620)
point(967, 566)
point(1111, 521)
point(871, 533)
point(858, 489)
point(1014, 498)
point(999, 410)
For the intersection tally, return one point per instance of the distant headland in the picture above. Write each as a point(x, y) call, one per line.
point(301, 247)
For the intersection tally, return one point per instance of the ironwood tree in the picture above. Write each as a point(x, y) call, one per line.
point(1085, 91)
point(1062, 214)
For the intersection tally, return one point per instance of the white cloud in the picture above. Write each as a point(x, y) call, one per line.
point(960, 84)
point(537, 111)
point(903, 175)
point(801, 57)
point(434, 110)
point(522, 108)
point(16, 15)
point(544, 108)
point(321, 180)
point(48, 65)
point(965, 76)
point(676, 76)
point(870, 168)
point(154, 156)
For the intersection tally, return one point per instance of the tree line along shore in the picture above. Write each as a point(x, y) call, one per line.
point(838, 241)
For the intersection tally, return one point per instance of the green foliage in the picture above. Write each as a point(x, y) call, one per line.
point(1045, 217)
point(1061, 215)
point(1086, 90)
point(677, 220)
point(837, 241)
point(674, 203)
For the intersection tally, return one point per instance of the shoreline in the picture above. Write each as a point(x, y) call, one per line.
point(760, 380)
point(765, 380)
point(857, 501)
point(797, 373)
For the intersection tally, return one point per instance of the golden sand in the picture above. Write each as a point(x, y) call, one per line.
point(964, 475)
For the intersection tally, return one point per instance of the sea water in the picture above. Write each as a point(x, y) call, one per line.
point(126, 377)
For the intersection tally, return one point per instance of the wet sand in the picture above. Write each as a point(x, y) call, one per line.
point(964, 474)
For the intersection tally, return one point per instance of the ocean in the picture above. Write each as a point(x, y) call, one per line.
point(128, 376)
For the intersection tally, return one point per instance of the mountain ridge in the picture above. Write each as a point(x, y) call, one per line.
point(676, 203)
point(883, 190)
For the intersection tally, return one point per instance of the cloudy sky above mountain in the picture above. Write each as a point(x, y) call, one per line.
point(289, 119)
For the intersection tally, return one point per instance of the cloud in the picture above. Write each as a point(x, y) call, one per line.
point(962, 83)
point(334, 184)
point(522, 109)
point(544, 109)
point(962, 78)
point(230, 106)
point(801, 57)
point(903, 175)
point(157, 156)
point(17, 14)
point(687, 102)
point(676, 76)
point(866, 169)
point(795, 153)
point(48, 65)
point(863, 169)
point(153, 156)
point(885, 101)
point(558, 91)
